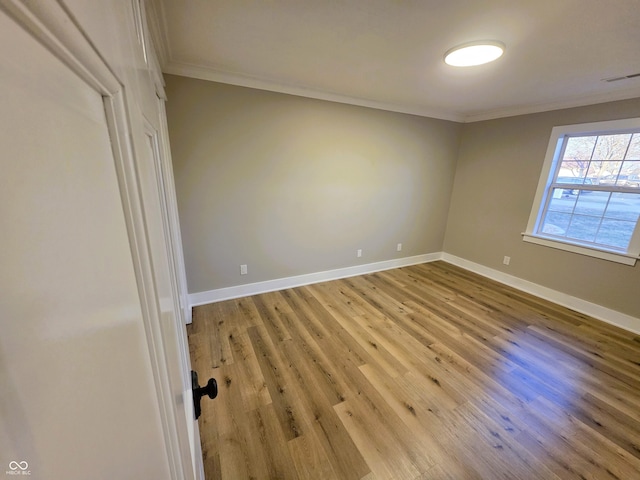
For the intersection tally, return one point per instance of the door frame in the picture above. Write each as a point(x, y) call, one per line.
point(51, 24)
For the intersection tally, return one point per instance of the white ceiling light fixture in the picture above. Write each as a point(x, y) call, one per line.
point(474, 53)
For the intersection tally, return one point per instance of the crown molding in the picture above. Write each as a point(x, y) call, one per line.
point(573, 102)
point(214, 75)
point(157, 25)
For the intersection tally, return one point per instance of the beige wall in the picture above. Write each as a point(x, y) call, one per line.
point(289, 185)
point(499, 164)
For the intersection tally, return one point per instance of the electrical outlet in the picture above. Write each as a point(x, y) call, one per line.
point(506, 260)
point(399, 247)
point(243, 270)
point(359, 253)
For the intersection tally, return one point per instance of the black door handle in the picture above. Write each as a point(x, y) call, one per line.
point(210, 389)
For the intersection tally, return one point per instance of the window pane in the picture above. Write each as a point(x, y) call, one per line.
point(630, 174)
point(602, 218)
point(573, 171)
point(583, 227)
point(624, 206)
point(611, 147)
point(596, 170)
point(630, 168)
point(609, 173)
point(556, 223)
point(615, 233)
point(634, 148)
point(592, 203)
point(579, 148)
point(561, 201)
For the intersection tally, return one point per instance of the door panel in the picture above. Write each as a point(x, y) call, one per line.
point(78, 399)
point(174, 241)
point(153, 190)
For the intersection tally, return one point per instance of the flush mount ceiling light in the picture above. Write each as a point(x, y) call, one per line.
point(474, 53)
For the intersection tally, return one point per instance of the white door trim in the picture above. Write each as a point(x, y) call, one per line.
point(50, 23)
point(172, 212)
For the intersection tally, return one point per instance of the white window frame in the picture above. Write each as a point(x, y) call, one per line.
point(552, 157)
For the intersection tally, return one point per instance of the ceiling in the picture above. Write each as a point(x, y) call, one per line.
point(388, 54)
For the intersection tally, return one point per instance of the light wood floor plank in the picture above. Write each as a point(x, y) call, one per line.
point(422, 372)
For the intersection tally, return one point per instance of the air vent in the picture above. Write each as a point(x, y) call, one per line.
point(626, 77)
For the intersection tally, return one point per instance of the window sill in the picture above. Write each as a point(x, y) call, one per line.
point(625, 259)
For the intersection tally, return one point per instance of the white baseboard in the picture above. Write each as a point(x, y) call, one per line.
point(607, 315)
point(238, 291)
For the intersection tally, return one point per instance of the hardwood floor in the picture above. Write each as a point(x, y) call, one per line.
point(423, 372)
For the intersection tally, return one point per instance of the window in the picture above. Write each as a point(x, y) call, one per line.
point(588, 198)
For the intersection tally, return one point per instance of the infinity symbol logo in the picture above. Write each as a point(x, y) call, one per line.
point(18, 465)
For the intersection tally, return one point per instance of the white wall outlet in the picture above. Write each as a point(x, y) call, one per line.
point(359, 253)
point(399, 247)
point(243, 269)
point(506, 260)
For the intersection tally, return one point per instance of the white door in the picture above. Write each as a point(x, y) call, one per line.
point(91, 375)
point(155, 188)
